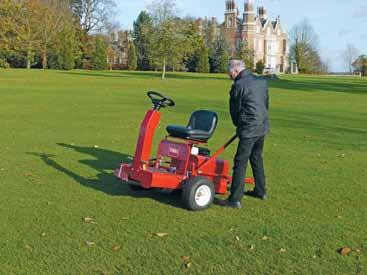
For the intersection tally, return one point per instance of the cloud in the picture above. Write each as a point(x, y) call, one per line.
point(361, 12)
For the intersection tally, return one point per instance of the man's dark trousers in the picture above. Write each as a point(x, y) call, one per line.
point(248, 149)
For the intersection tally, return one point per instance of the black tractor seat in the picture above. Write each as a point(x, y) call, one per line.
point(201, 127)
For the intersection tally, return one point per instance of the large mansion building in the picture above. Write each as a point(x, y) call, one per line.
point(263, 36)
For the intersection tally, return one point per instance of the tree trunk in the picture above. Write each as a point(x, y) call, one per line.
point(29, 57)
point(44, 58)
point(164, 69)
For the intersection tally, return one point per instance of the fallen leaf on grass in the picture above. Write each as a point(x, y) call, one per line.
point(116, 248)
point(188, 265)
point(186, 261)
point(89, 220)
point(89, 243)
point(345, 251)
point(185, 258)
point(161, 235)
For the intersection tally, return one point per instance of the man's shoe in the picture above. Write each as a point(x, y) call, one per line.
point(228, 203)
point(255, 195)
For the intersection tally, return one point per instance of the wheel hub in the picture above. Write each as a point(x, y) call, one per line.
point(203, 195)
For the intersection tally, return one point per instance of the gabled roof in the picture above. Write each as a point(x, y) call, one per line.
point(263, 22)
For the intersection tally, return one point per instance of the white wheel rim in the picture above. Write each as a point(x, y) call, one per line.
point(203, 195)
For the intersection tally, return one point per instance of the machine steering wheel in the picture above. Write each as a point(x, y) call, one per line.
point(160, 101)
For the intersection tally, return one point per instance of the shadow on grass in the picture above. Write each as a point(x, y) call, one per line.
point(323, 85)
point(157, 75)
point(105, 181)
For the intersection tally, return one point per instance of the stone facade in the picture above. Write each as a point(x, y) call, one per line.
point(117, 52)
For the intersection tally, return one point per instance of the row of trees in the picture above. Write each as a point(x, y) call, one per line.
point(164, 41)
point(355, 62)
point(305, 51)
point(360, 65)
point(57, 34)
point(67, 34)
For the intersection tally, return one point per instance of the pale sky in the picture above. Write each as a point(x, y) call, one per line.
point(336, 22)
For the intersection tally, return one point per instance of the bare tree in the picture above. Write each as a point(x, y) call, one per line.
point(349, 55)
point(165, 38)
point(52, 15)
point(304, 48)
point(162, 10)
point(94, 15)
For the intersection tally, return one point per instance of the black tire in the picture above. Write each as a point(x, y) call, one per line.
point(190, 197)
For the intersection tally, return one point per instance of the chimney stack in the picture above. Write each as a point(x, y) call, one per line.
point(261, 13)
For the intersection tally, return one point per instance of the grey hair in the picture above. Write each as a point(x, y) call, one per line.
point(235, 64)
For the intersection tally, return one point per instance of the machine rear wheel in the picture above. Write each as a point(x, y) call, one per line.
point(197, 193)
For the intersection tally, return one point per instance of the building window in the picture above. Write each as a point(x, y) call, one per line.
point(229, 22)
point(284, 46)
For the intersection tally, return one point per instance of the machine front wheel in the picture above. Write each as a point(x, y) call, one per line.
point(197, 193)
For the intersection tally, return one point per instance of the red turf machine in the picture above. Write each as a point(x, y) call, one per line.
point(181, 162)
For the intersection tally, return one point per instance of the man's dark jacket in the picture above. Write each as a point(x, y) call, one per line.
point(249, 105)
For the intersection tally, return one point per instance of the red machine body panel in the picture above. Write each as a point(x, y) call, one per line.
point(145, 139)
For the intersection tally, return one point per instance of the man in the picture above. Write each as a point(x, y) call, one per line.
point(249, 104)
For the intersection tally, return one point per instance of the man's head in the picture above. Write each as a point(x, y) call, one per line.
point(235, 67)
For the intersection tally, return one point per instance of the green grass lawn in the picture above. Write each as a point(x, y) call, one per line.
point(63, 133)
